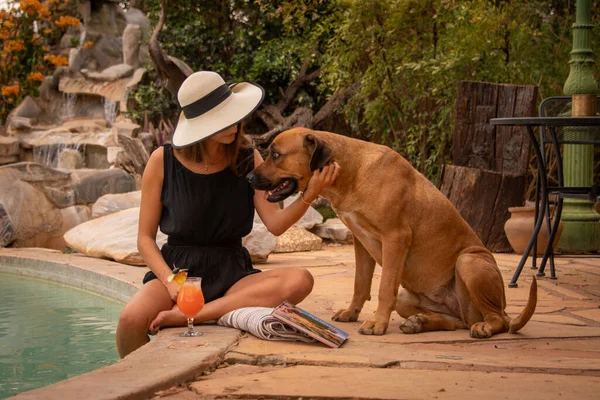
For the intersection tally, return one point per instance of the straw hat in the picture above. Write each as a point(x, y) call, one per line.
point(209, 106)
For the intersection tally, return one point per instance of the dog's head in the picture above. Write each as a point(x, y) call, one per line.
point(292, 157)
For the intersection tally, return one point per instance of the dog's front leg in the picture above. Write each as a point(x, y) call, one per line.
point(363, 276)
point(395, 252)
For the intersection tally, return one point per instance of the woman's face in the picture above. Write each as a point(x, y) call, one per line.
point(225, 137)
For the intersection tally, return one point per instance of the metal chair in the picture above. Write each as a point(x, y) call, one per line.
point(560, 106)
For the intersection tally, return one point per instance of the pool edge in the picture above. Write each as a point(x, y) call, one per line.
point(166, 361)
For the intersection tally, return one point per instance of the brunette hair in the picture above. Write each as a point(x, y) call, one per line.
point(238, 153)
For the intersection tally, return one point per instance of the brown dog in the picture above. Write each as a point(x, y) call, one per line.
point(404, 223)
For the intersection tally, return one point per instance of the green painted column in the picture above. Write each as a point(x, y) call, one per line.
point(581, 222)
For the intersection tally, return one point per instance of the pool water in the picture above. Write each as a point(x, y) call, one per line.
point(50, 332)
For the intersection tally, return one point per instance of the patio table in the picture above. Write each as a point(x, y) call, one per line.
point(551, 123)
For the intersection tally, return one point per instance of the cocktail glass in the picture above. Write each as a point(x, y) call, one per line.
point(190, 301)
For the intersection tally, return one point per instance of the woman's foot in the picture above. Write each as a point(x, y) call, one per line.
point(166, 319)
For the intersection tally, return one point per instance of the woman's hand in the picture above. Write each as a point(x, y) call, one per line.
point(321, 179)
point(173, 288)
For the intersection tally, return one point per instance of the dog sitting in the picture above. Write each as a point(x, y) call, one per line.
point(400, 220)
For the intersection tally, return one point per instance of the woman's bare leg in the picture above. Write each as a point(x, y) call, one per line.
point(142, 308)
point(265, 289)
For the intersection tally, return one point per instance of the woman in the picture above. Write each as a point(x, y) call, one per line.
point(195, 191)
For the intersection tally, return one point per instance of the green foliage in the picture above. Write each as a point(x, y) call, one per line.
point(406, 55)
point(326, 212)
point(151, 100)
point(409, 55)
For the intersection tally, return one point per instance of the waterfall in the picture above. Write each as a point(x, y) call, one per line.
point(68, 105)
point(49, 155)
point(110, 110)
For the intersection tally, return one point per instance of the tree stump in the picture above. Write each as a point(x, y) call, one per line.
point(490, 163)
point(482, 198)
point(478, 144)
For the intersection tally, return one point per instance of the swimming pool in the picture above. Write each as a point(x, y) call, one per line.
point(50, 332)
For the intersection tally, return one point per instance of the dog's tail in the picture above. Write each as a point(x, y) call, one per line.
point(520, 321)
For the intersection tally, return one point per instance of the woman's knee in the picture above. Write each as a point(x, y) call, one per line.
point(132, 321)
point(300, 283)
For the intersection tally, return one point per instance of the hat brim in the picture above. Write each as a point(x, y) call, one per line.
point(244, 100)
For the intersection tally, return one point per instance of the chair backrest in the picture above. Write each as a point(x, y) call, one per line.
point(560, 106)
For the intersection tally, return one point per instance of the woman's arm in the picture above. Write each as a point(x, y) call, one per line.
point(279, 220)
point(150, 212)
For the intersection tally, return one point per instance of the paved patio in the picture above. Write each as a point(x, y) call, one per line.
point(555, 356)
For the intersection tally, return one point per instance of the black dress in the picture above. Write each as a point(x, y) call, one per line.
point(205, 217)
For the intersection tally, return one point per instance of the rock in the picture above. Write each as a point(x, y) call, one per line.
point(5, 160)
point(109, 74)
point(112, 203)
point(75, 60)
point(333, 229)
point(310, 218)
point(56, 185)
point(28, 108)
point(148, 141)
point(9, 146)
point(80, 126)
point(7, 230)
point(33, 218)
point(135, 16)
point(20, 124)
point(298, 239)
point(129, 129)
point(260, 243)
point(112, 236)
point(70, 159)
point(133, 158)
point(132, 36)
point(71, 217)
point(49, 88)
point(89, 185)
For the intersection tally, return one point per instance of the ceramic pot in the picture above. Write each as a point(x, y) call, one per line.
point(519, 228)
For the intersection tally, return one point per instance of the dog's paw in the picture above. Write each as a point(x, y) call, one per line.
point(373, 328)
point(344, 315)
point(481, 330)
point(412, 324)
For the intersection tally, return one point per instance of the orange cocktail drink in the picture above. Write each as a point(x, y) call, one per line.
point(190, 302)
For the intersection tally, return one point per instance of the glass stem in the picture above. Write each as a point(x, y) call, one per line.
point(190, 324)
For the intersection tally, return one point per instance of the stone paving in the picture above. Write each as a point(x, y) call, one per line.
point(556, 355)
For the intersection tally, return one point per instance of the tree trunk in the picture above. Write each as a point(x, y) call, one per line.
point(482, 198)
point(478, 144)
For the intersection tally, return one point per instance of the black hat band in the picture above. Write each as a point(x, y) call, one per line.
point(207, 103)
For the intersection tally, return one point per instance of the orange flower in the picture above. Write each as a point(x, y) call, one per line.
point(30, 7)
point(36, 76)
point(47, 31)
point(44, 12)
point(4, 34)
point(88, 45)
point(10, 90)
point(45, 48)
point(58, 61)
point(8, 24)
point(67, 21)
point(14, 45)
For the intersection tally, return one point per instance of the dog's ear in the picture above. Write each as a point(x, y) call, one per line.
point(321, 153)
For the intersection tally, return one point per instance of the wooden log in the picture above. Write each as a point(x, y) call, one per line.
point(478, 144)
point(482, 198)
